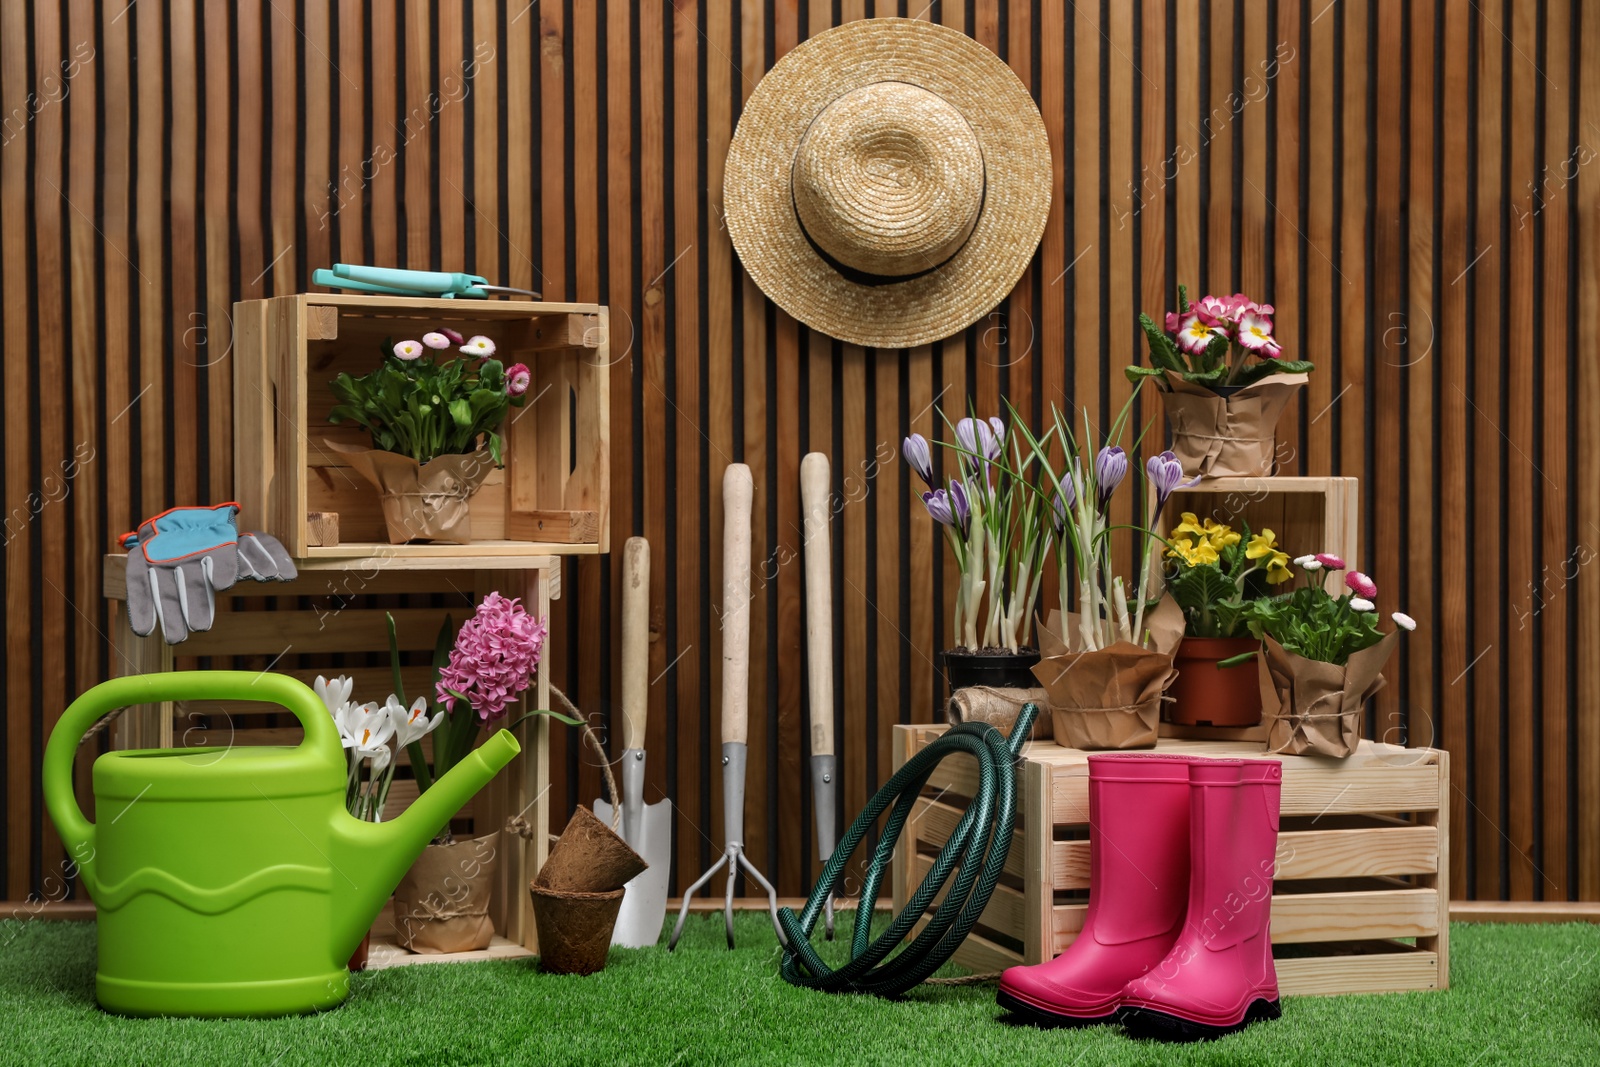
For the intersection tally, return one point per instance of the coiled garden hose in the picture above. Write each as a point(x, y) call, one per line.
point(978, 847)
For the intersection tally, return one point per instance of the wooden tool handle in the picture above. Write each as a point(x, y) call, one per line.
point(819, 600)
point(635, 640)
point(737, 490)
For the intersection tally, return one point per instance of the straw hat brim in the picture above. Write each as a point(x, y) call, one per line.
point(759, 209)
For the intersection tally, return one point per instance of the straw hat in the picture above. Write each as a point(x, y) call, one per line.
point(888, 183)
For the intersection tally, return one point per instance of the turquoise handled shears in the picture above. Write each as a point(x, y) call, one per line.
point(394, 281)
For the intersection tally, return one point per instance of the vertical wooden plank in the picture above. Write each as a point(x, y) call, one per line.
point(1555, 592)
point(1220, 131)
point(1087, 328)
point(1521, 471)
point(1286, 73)
point(1414, 351)
point(1183, 166)
point(419, 112)
point(1483, 402)
point(210, 329)
point(1587, 295)
point(1455, 257)
point(1387, 159)
point(149, 196)
point(520, 66)
point(1319, 301)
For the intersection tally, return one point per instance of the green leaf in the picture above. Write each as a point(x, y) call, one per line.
point(1207, 377)
point(461, 412)
point(1137, 374)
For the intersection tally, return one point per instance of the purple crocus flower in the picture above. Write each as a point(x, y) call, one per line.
point(1066, 496)
point(919, 456)
point(1110, 467)
point(1166, 474)
point(996, 444)
point(960, 507)
point(937, 502)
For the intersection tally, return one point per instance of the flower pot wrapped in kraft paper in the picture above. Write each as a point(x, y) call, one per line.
point(442, 904)
point(1227, 436)
point(1315, 707)
point(1109, 697)
point(422, 502)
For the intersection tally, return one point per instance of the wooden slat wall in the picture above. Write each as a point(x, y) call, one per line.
point(1409, 183)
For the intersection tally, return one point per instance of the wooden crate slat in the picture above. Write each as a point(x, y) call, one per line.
point(1358, 853)
point(271, 632)
point(978, 953)
point(939, 821)
point(1004, 912)
point(1308, 917)
point(1396, 972)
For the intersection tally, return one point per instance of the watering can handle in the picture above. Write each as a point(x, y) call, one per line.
point(76, 830)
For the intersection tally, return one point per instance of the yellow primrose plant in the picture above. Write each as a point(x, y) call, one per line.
point(1213, 571)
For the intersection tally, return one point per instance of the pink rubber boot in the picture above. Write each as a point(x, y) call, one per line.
point(1219, 975)
point(1138, 889)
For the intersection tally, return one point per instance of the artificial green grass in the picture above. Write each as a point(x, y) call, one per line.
point(1524, 995)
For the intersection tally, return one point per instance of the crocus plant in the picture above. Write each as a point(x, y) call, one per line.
point(991, 517)
point(422, 403)
point(367, 731)
point(1216, 341)
point(1079, 494)
point(1311, 622)
point(1213, 570)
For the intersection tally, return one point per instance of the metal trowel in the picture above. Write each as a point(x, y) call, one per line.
point(647, 828)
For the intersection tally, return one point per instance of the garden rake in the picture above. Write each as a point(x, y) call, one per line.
point(737, 491)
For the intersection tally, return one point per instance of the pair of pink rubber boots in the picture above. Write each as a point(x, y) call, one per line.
point(1175, 943)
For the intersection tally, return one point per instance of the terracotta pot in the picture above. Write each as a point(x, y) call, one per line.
point(358, 958)
point(442, 903)
point(574, 928)
point(1204, 694)
point(997, 671)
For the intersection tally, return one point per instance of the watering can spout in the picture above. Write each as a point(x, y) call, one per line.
point(377, 855)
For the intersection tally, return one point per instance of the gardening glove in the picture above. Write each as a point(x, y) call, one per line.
point(263, 557)
point(177, 561)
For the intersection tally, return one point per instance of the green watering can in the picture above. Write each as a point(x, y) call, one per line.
point(232, 881)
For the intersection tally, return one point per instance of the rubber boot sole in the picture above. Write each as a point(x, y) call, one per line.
point(1037, 1016)
point(1151, 1025)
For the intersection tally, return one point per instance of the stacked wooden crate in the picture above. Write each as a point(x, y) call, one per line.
point(1360, 899)
point(550, 500)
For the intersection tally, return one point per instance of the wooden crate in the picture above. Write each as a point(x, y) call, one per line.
point(1308, 514)
point(551, 498)
point(1360, 901)
point(315, 618)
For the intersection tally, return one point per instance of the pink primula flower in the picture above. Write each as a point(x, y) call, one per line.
point(1255, 335)
point(1194, 334)
point(1213, 310)
point(494, 657)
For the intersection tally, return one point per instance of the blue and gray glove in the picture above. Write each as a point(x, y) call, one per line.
point(178, 560)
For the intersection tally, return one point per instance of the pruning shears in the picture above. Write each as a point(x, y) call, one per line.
point(394, 281)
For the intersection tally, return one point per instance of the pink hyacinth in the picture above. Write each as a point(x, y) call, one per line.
point(494, 657)
point(1361, 585)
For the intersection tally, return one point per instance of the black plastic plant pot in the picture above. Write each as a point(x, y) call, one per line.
point(997, 669)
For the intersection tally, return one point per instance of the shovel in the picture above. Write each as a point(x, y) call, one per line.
point(647, 828)
point(819, 656)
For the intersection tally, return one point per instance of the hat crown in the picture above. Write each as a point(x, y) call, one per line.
point(889, 179)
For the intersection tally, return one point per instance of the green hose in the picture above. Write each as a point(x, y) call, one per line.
point(978, 847)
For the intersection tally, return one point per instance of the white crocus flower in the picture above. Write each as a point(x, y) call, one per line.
point(366, 727)
point(1360, 603)
point(411, 724)
point(335, 694)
